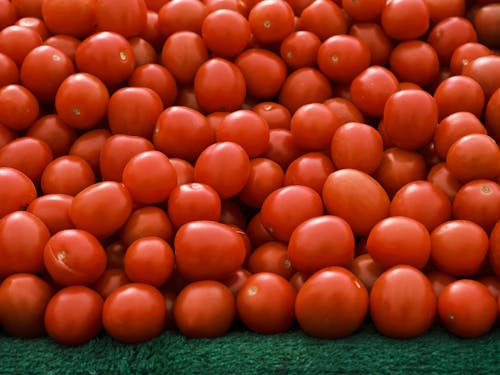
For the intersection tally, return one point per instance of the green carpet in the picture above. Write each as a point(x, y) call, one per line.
point(242, 352)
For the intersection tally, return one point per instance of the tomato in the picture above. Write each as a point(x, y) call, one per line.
point(311, 169)
point(321, 242)
point(313, 126)
point(494, 249)
point(377, 41)
point(467, 309)
point(345, 110)
point(449, 34)
point(271, 21)
point(24, 297)
point(17, 190)
point(299, 49)
point(332, 303)
point(357, 146)
point(275, 114)
point(208, 250)
point(459, 94)
point(265, 176)
point(58, 135)
point(17, 41)
point(405, 19)
point(10, 72)
point(181, 15)
point(22, 240)
point(492, 116)
point(73, 315)
point(76, 18)
point(64, 43)
point(115, 253)
point(67, 175)
point(439, 10)
point(144, 52)
point(466, 53)
point(271, 257)
point(225, 32)
point(149, 260)
point(478, 201)
point(101, 208)
point(421, 107)
point(110, 280)
point(108, 56)
point(441, 177)
point(225, 166)
point(323, 18)
point(149, 177)
point(285, 208)
point(265, 303)
point(256, 231)
point(116, 151)
point(127, 18)
point(236, 5)
point(366, 269)
point(53, 210)
point(219, 85)
point(357, 198)
point(74, 257)
point(204, 309)
point(81, 100)
point(8, 13)
point(19, 108)
point(134, 313)
point(282, 148)
point(343, 57)
point(492, 283)
point(483, 70)
point(397, 313)
point(474, 156)
point(363, 10)
point(263, 70)
point(182, 132)
point(423, 201)
point(485, 22)
point(236, 280)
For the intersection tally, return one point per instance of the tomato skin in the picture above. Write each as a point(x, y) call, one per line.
point(321, 242)
point(311, 169)
point(405, 19)
point(73, 315)
point(397, 313)
point(265, 303)
point(323, 18)
point(22, 239)
point(467, 309)
point(75, 18)
point(17, 41)
point(271, 256)
point(67, 175)
point(483, 71)
point(357, 198)
point(208, 250)
point(366, 269)
point(134, 313)
point(23, 299)
point(332, 303)
point(74, 257)
point(110, 280)
point(101, 208)
point(17, 190)
point(19, 108)
point(127, 18)
point(204, 309)
point(285, 208)
point(53, 210)
point(271, 21)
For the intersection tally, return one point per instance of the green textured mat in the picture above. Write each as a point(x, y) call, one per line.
point(242, 352)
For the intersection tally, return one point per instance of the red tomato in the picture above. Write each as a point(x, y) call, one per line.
point(399, 240)
point(486, 21)
point(110, 280)
point(494, 249)
point(357, 198)
point(285, 208)
point(321, 242)
point(492, 116)
point(75, 18)
point(363, 10)
point(366, 269)
point(466, 53)
point(149, 260)
point(64, 43)
point(225, 166)
point(157, 78)
point(265, 176)
point(271, 257)
point(134, 313)
point(439, 10)
point(58, 135)
point(181, 15)
point(68, 174)
point(22, 240)
point(89, 146)
point(17, 41)
point(208, 250)
point(265, 303)
point(18, 107)
point(182, 132)
point(126, 17)
point(53, 210)
point(73, 315)
point(345, 110)
point(323, 18)
point(405, 19)
point(275, 114)
point(17, 190)
point(101, 208)
point(397, 313)
point(257, 233)
point(219, 85)
point(439, 280)
point(485, 71)
point(271, 21)
point(10, 72)
point(149, 177)
point(74, 257)
point(377, 41)
point(23, 299)
point(459, 94)
point(282, 148)
point(299, 49)
point(467, 309)
point(236, 280)
point(332, 303)
point(311, 169)
point(441, 177)
point(204, 309)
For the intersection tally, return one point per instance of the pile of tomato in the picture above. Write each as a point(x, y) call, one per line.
point(190, 165)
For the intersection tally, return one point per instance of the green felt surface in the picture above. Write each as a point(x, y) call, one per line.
point(242, 352)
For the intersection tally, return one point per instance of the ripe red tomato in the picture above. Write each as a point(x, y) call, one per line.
point(366, 269)
point(74, 257)
point(323, 18)
point(265, 177)
point(73, 315)
point(271, 256)
point(89, 146)
point(53, 210)
point(181, 15)
point(76, 18)
point(127, 18)
point(58, 135)
point(492, 116)
point(397, 313)
point(19, 108)
point(405, 19)
point(311, 169)
point(23, 299)
point(110, 280)
point(466, 53)
point(17, 190)
point(271, 21)
point(321, 242)
point(68, 174)
point(467, 309)
point(204, 309)
point(265, 303)
point(299, 49)
point(17, 41)
point(483, 70)
point(332, 303)
point(208, 250)
point(134, 313)
point(357, 198)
